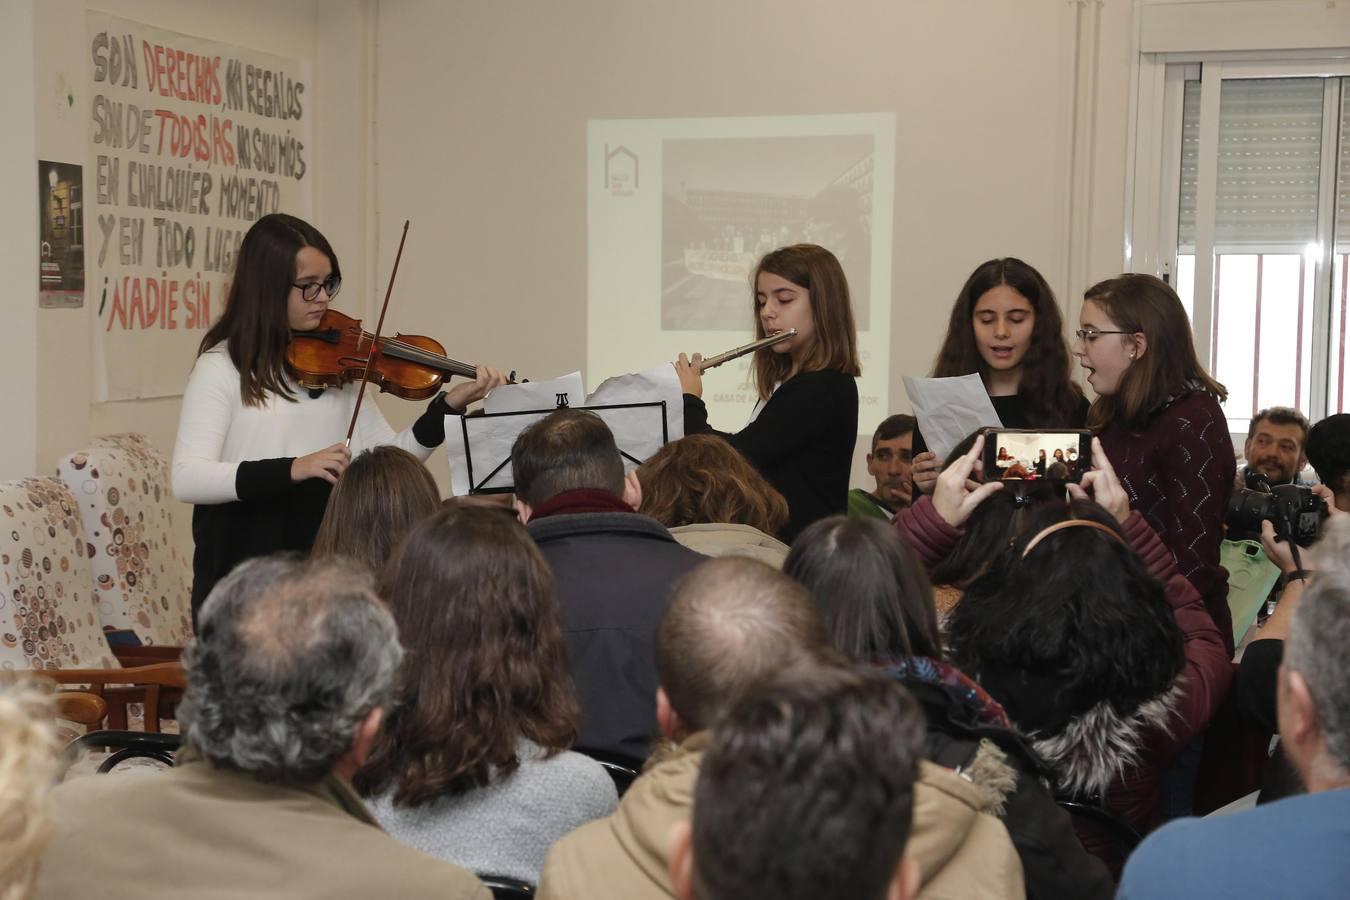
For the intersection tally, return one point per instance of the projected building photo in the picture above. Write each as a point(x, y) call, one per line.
point(728, 201)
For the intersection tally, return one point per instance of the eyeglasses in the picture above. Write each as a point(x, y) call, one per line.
point(310, 290)
point(1088, 335)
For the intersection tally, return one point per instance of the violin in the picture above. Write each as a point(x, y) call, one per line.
point(411, 366)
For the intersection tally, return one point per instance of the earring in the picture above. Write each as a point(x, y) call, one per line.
point(1131, 356)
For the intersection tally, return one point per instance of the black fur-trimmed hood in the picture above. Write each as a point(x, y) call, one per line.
point(1096, 748)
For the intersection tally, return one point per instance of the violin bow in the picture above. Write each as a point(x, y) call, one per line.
point(375, 341)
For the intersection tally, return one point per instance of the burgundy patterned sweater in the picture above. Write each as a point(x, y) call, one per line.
point(1179, 473)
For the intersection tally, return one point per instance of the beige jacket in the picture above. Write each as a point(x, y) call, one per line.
point(626, 856)
point(732, 540)
point(210, 834)
point(962, 851)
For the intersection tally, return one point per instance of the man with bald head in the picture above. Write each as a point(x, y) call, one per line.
point(733, 623)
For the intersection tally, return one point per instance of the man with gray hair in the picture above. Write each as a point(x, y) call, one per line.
point(1294, 847)
point(292, 668)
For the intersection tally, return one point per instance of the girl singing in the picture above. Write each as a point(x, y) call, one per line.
point(1006, 327)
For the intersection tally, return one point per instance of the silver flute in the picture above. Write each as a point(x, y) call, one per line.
point(713, 362)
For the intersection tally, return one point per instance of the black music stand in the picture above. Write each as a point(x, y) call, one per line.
point(528, 417)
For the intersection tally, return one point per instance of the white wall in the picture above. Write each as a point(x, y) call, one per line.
point(481, 131)
point(18, 246)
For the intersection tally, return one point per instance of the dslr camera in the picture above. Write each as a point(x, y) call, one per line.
point(1294, 510)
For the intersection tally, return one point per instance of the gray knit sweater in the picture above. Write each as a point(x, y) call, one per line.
point(507, 827)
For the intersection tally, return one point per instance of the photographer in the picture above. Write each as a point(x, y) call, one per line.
point(1276, 440)
point(1254, 687)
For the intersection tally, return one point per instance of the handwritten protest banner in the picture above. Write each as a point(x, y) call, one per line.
point(190, 142)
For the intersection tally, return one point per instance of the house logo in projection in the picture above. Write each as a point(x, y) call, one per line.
point(621, 171)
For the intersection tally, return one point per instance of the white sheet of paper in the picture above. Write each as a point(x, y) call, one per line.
point(489, 439)
point(949, 409)
point(537, 394)
point(638, 431)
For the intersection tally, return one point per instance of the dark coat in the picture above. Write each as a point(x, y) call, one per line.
point(1054, 861)
point(1119, 755)
point(615, 572)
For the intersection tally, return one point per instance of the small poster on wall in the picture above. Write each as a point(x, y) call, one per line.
point(191, 141)
point(60, 236)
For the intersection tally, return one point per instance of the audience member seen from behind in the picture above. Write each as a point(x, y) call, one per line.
point(1328, 452)
point(1296, 846)
point(712, 499)
point(1082, 576)
point(1274, 450)
point(1158, 415)
point(382, 494)
point(29, 760)
point(732, 623)
point(806, 791)
point(293, 668)
point(877, 607)
point(889, 465)
point(1006, 327)
point(472, 765)
point(614, 569)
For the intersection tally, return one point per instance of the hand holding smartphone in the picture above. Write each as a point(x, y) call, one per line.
point(1016, 454)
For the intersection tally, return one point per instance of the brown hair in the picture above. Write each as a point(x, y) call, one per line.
point(1147, 305)
point(567, 450)
point(477, 609)
point(384, 493)
point(255, 327)
point(700, 479)
point(817, 271)
point(732, 622)
point(1046, 386)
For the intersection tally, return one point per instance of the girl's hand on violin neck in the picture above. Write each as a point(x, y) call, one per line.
point(487, 380)
point(328, 464)
point(691, 379)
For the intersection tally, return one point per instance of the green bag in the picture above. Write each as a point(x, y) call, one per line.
point(1250, 578)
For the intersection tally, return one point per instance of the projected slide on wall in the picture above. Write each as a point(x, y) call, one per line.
point(680, 211)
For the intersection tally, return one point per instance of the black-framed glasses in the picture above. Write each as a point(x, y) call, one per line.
point(310, 290)
point(1088, 335)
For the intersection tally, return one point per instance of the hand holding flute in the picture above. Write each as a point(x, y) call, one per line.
point(691, 371)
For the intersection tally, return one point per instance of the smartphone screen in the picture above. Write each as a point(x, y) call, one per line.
point(1010, 454)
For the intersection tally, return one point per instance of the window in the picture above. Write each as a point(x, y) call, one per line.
point(1255, 227)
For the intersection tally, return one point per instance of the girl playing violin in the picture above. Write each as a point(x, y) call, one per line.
point(801, 434)
point(256, 453)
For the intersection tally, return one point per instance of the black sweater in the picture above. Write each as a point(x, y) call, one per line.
point(802, 442)
point(273, 514)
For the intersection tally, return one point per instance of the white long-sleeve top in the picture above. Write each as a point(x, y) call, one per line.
point(216, 431)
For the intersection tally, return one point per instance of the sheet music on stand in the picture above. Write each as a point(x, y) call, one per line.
point(644, 410)
point(480, 453)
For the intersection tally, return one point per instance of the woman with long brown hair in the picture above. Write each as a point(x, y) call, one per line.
point(472, 764)
point(712, 499)
point(1158, 415)
point(1006, 327)
point(382, 495)
point(257, 454)
point(806, 421)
